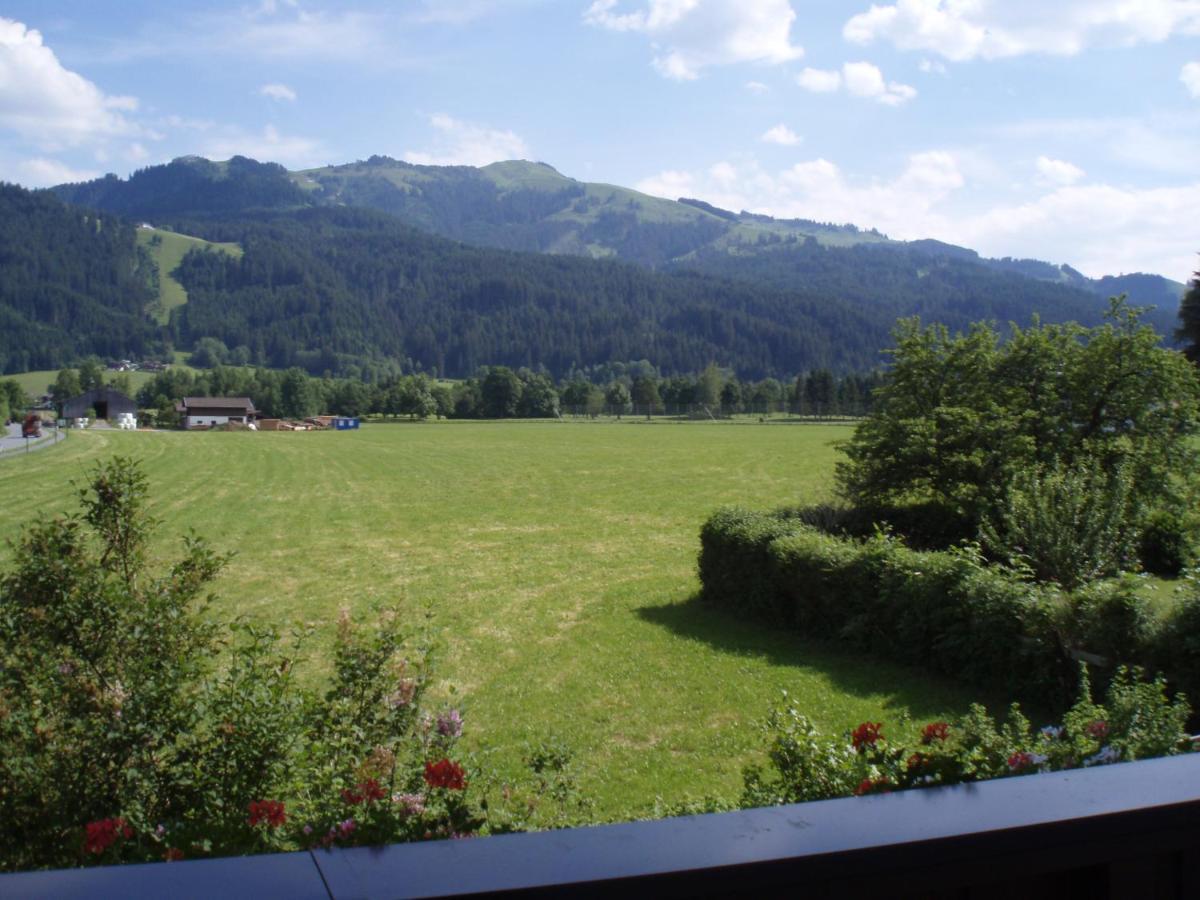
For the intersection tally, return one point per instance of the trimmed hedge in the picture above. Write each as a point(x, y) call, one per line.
point(946, 611)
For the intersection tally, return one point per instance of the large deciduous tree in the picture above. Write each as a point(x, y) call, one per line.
point(960, 417)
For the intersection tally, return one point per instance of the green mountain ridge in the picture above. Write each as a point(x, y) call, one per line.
point(384, 263)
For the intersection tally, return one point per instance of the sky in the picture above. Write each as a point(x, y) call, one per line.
point(1066, 130)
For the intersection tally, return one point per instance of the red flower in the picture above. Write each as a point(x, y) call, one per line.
point(866, 735)
point(270, 812)
point(935, 731)
point(1098, 730)
point(365, 791)
point(878, 786)
point(103, 833)
point(917, 761)
point(1019, 761)
point(173, 854)
point(445, 774)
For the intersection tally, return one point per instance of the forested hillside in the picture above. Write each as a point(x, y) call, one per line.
point(324, 288)
point(72, 282)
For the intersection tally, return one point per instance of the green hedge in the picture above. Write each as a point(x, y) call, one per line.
point(946, 611)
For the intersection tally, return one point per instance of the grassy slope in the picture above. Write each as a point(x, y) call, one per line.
point(558, 561)
point(167, 253)
point(37, 383)
point(523, 175)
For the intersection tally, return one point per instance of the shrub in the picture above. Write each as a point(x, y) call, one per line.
point(948, 612)
point(134, 728)
point(1139, 721)
point(1168, 542)
point(1068, 524)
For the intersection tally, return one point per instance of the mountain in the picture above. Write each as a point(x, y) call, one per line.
point(516, 263)
point(530, 206)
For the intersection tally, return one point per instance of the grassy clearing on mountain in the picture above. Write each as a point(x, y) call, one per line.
point(168, 249)
point(557, 562)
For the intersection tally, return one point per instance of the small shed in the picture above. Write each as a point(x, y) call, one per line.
point(208, 411)
point(108, 404)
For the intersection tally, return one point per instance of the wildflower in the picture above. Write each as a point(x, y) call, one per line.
point(65, 668)
point(173, 854)
point(1097, 730)
point(270, 812)
point(160, 830)
point(347, 827)
point(307, 829)
point(935, 731)
point(917, 761)
point(1106, 755)
point(1054, 732)
point(103, 833)
point(450, 724)
point(866, 734)
point(445, 774)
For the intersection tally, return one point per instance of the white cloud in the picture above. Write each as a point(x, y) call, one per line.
point(277, 91)
point(269, 145)
point(1057, 171)
point(865, 80)
point(932, 67)
point(1098, 228)
point(1190, 76)
point(781, 135)
point(757, 87)
point(820, 81)
point(861, 79)
point(44, 172)
point(49, 104)
point(993, 29)
point(689, 35)
point(461, 143)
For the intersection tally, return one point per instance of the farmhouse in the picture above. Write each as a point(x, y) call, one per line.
point(108, 404)
point(199, 412)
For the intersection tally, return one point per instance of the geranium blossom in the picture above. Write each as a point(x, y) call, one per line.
point(103, 833)
point(866, 734)
point(268, 812)
point(445, 774)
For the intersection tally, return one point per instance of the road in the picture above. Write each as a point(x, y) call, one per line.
point(12, 440)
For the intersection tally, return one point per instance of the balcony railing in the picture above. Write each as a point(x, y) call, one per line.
point(1122, 831)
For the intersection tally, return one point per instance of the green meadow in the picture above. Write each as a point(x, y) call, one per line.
point(556, 563)
point(168, 249)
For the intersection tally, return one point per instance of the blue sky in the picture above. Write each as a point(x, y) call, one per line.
point(1066, 131)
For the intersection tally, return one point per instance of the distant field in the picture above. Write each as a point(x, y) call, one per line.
point(37, 383)
point(557, 559)
point(168, 251)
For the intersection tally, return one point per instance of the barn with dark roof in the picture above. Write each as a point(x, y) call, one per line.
point(108, 404)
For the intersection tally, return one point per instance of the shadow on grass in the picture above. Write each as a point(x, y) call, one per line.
point(851, 671)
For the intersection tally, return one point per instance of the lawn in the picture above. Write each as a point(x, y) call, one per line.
point(557, 561)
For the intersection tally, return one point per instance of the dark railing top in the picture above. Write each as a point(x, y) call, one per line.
point(1058, 820)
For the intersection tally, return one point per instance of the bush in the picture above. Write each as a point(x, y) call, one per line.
point(1139, 721)
point(134, 728)
point(1068, 524)
point(948, 612)
point(1168, 542)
